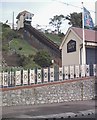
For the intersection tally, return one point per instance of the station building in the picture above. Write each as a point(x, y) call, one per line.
point(23, 17)
point(72, 46)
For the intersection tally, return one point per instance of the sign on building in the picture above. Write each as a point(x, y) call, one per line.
point(32, 76)
point(5, 79)
point(77, 71)
point(25, 77)
point(45, 74)
point(51, 74)
point(66, 72)
point(39, 76)
point(71, 72)
point(71, 46)
point(18, 77)
point(60, 73)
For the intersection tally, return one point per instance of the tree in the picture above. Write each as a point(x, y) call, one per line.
point(43, 59)
point(56, 21)
point(8, 33)
point(75, 19)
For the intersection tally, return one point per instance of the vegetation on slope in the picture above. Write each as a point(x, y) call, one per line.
point(22, 47)
point(55, 37)
point(13, 43)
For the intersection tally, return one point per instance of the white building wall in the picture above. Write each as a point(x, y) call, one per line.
point(71, 58)
point(20, 23)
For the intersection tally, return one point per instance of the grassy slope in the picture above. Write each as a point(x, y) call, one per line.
point(17, 43)
point(54, 37)
point(26, 50)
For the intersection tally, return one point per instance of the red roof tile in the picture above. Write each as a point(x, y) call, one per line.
point(90, 35)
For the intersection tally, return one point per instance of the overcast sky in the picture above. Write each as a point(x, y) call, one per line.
point(43, 10)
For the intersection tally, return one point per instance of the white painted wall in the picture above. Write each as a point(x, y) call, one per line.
point(72, 57)
point(20, 23)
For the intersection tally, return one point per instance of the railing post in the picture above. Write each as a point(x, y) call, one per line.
point(94, 69)
point(51, 74)
point(77, 71)
point(39, 76)
point(87, 71)
point(60, 73)
point(45, 75)
point(25, 77)
point(18, 78)
point(72, 72)
point(83, 67)
point(5, 79)
point(66, 72)
point(32, 76)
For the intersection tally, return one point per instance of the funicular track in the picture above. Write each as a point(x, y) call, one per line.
point(53, 48)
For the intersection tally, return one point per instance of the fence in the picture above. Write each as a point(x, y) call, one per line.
point(45, 75)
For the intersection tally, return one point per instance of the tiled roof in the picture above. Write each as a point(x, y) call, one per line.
point(90, 35)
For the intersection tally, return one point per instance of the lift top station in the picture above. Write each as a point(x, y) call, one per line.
point(24, 17)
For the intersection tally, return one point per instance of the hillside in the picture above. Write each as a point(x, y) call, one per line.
point(17, 50)
point(22, 47)
point(40, 41)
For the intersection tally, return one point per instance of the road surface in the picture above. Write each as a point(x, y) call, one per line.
point(76, 109)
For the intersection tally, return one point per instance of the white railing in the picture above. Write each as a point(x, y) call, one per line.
point(45, 75)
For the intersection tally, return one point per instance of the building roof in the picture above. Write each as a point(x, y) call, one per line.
point(23, 13)
point(90, 35)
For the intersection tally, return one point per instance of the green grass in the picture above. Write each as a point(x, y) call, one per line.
point(31, 65)
point(18, 45)
point(54, 37)
point(26, 49)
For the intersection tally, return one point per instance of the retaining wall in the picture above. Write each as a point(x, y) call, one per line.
point(67, 90)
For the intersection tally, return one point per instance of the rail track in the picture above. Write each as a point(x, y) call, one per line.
point(51, 46)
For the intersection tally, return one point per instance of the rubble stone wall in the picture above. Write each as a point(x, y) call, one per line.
point(56, 92)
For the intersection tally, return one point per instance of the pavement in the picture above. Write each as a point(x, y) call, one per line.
point(73, 109)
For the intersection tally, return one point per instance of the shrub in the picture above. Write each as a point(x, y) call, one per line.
point(43, 59)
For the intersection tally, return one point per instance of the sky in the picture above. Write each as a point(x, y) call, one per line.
point(43, 10)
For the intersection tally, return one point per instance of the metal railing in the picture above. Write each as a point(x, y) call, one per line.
point(40, 76)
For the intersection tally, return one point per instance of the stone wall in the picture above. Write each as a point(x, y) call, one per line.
point(68, 90)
